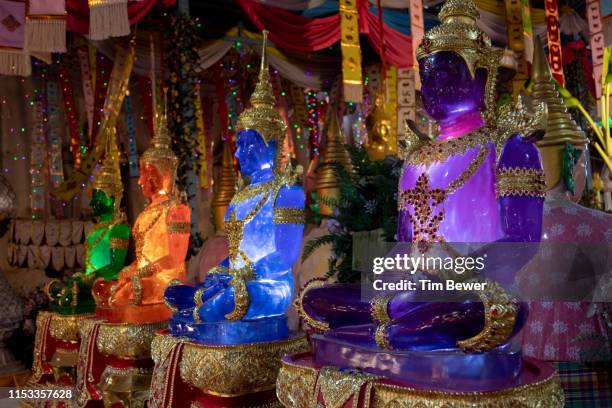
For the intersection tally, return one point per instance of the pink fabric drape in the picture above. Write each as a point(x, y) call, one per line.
point(296, 33)
point(78, 12)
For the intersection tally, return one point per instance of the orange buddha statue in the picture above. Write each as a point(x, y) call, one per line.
point(161, 233)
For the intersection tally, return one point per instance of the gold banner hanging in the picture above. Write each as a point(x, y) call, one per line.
point(201, 138)
point(514, 26)
point(351, 51)
point(553, 28)
point(417, 31)
point(117, 88)
point(391, 108)
point(406, 102)
point(597, 42)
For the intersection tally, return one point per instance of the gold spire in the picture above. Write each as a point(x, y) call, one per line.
point(160, 153)
point(262, 116)
point(225, 188)
point(457, 32)
point(108, 177)
point(327, 183)
point(560, 128)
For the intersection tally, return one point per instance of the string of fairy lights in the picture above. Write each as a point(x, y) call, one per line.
point(306, 131)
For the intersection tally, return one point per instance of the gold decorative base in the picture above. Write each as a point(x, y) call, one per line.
point(123, 351)
point(56, 347)
point(66, 327)
point(127, 340)
point(229, 370)
point(301, 385)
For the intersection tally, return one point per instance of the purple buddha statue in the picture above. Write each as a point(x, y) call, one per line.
point(479, 181)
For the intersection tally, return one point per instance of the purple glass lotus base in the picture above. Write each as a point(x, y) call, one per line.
point(450, 369)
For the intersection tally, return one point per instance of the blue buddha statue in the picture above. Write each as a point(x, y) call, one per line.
point(245, 297)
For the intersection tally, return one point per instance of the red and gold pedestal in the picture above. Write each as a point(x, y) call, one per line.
point(193, 375)
point(115, 365)
point(56, 350)
point(304, 384)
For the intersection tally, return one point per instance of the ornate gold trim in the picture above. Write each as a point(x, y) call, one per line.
point(237, 369)
point(66, 327)
point(378, 309)
point(424, 199)
point(285, 215)
point(543, 394)
point(242, 299)
point(147, 270)
point(520, 181)
point(298, 303)
point(179, 227)
point(119, 243)
point(336, 387)
point(197, 296)
point(251, 191)
point(162, 344)
point(221, 270)
point(515, 118)
point(127, 340)
point(137, 288)
point(381, 336)
point(439, 151)
point(500, 311)
point(295, 385)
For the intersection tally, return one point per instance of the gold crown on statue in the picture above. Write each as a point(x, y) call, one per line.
point(262, 116)
point(108, 177)
point(458, 32)
point(159, 153)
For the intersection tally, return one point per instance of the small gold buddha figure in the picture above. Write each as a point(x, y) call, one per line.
point(161, 234)
point(379, 127)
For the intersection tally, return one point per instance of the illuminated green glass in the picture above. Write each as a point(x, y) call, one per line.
point(105, 253)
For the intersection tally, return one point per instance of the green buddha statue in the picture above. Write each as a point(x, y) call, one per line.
point(106, 245)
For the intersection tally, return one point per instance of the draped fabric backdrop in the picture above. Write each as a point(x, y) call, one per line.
point(296, 33)
point(78, 12)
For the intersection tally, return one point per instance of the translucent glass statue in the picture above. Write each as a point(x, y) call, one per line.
point(244, 298)
point(105, 246)
point(161, 234)
point(480, 181)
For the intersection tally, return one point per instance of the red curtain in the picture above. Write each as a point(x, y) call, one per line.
point(296, 33)
point(78, 12)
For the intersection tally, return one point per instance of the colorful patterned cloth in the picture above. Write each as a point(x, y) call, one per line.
point(554, 330)
point(585, 386)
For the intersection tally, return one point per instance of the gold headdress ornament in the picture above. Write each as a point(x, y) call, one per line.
point(108, 177)
point(262, 116)
point(459, 33)
point(159, 153)
point(560, 127)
